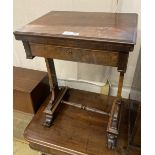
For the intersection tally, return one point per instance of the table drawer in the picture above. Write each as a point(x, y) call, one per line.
point(75, 54)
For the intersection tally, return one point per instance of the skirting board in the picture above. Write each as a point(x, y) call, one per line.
point(94, 87)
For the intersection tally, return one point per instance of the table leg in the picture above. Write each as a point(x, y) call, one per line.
point(53, 88)
point(115, 115)
point(51, 74)
point(120, 85)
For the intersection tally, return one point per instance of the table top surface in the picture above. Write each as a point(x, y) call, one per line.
point(77, 131)
point(99, 26)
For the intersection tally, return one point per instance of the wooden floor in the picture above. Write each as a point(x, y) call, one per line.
point(20, 145)
point(21, 148)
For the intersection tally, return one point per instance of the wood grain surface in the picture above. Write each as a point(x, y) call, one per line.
point(93, 29)
point(30, 88)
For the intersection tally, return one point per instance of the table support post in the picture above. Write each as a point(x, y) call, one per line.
point(53, 88)
point(51, 74)
point(115, 116)
point(120, 85)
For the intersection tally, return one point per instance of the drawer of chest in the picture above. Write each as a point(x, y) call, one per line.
point(75, 54)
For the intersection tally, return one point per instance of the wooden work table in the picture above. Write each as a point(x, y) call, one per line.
point(88, 37)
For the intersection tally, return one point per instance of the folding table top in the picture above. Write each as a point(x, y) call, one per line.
point(97, 26)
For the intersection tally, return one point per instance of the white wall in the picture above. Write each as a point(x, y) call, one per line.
point(26, 11)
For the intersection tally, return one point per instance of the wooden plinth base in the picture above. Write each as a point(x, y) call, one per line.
point(77, 131)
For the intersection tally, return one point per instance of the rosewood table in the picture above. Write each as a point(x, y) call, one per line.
point(88, 37)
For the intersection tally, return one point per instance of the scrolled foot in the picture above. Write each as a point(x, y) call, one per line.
point(112, 140)
point(48, 120)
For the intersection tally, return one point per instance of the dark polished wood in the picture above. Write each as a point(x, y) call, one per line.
point(90, 37)
point(51, 74)
point(76, 131)
point(76, 54)
point(96, 30)
point(30, 88)
point(27, 50)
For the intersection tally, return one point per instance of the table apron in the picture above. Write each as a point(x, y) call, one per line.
point(106, 58)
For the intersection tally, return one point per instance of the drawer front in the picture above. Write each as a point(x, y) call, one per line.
point(75, 54)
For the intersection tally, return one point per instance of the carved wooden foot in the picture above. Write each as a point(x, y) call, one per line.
point(113, 124)
point(52, 106)
point(48, 120)
point(112, 141)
